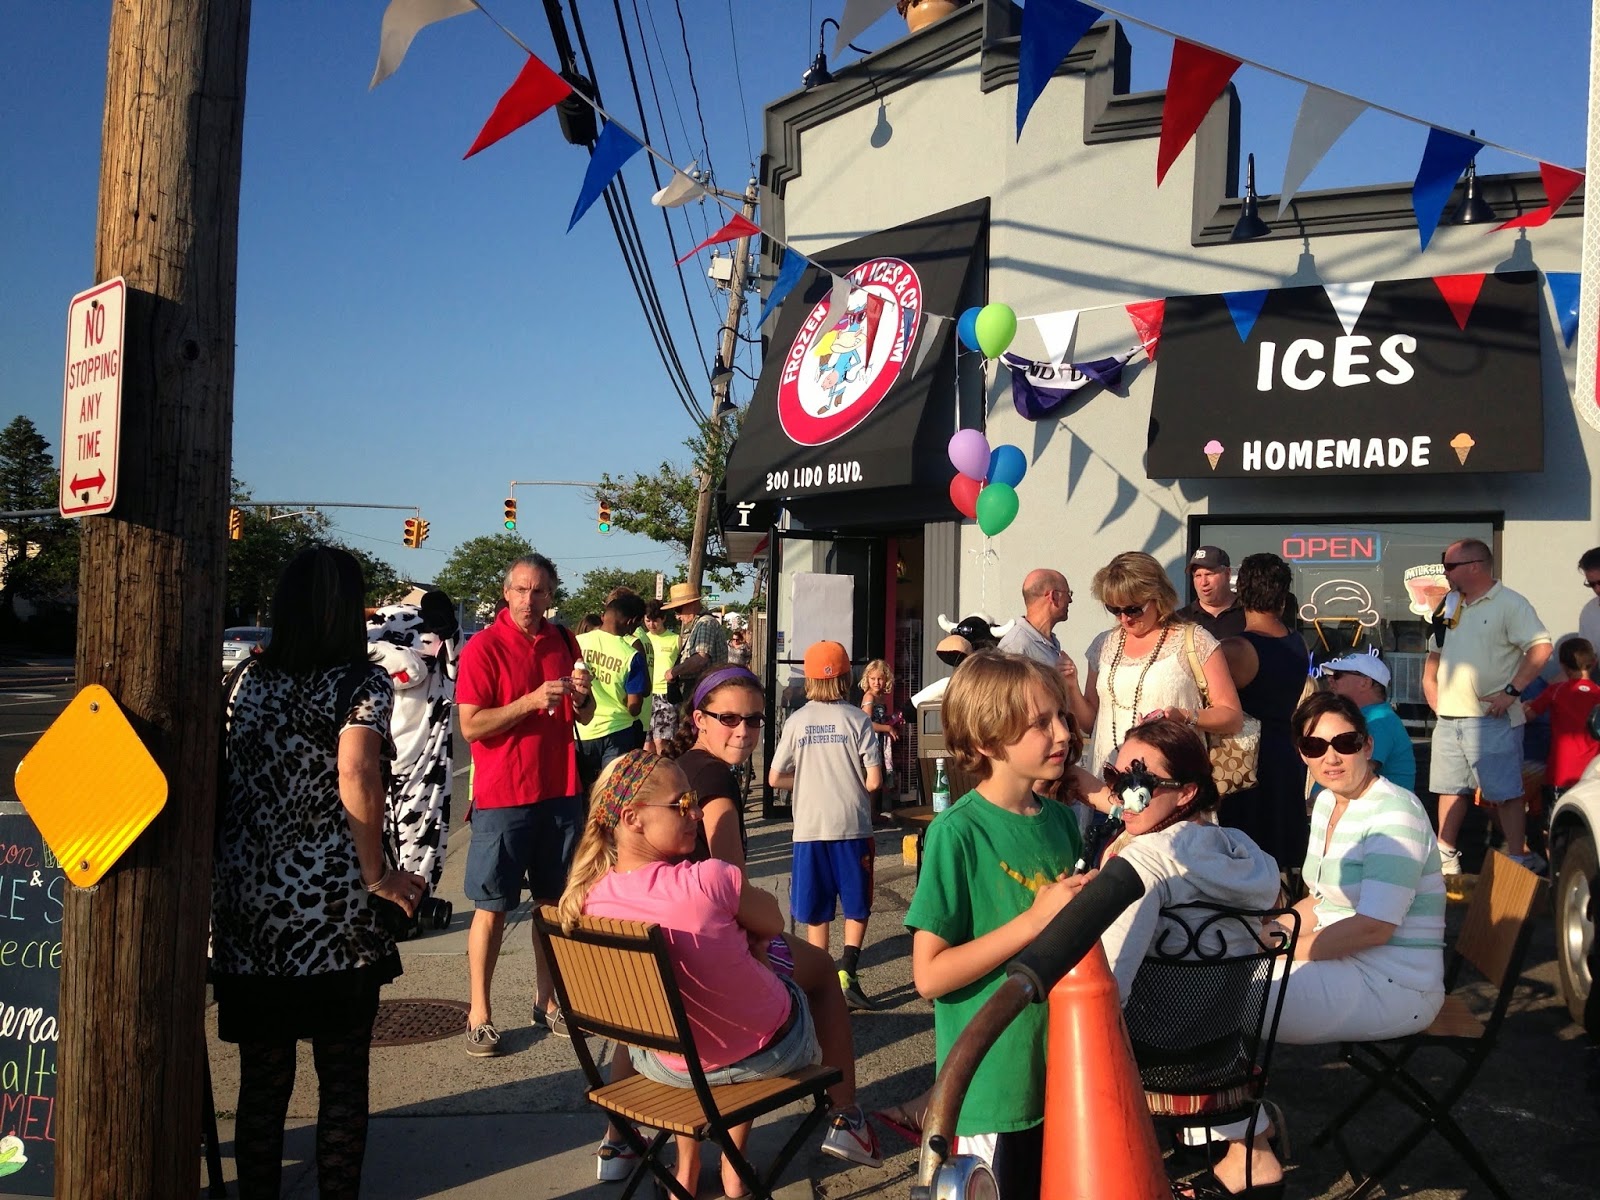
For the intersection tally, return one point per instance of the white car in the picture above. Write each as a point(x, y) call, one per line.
point(1574, 832)
point(240, 642)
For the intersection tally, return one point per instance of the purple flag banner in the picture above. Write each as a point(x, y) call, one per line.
point(1039, 389)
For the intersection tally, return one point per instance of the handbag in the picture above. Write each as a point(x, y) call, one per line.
point(1233, 755)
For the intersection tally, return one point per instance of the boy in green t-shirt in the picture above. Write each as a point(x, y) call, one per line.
point(995, 870)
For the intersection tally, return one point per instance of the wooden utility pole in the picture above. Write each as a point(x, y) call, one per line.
point(150, 595)
point(727, 345)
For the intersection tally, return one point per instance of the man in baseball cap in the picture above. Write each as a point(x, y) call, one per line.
point(1364, 678)
point(1216, 608)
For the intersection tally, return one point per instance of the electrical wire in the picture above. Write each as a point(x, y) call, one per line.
point(738, 80)
point(694, 87)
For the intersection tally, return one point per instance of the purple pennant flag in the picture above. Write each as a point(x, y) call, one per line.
point(1245, 307)
point(1050, 29)
point(612, 148)
point(1443, 159)
point(1038, 389)
point(1564, 291)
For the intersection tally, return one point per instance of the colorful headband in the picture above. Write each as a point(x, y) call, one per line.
point(720, 676)
point(621, 786)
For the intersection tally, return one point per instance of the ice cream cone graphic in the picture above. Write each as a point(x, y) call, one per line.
point(1213, 452)
point(1462, 444)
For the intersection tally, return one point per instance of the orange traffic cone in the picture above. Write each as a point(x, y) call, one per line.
point(1099, 1141)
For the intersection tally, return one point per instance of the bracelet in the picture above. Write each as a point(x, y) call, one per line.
point(388, 873)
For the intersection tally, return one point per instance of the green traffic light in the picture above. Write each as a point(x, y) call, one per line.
point(605, 526)
point(511, 524)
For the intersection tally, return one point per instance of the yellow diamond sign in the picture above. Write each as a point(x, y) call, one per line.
point(90, 786)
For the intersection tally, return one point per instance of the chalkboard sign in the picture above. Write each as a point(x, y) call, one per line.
point(32, 888)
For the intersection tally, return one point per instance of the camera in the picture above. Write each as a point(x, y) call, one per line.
point(432, 914)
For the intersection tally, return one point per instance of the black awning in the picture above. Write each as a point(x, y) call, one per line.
point(842, 405)
point(1401, 376)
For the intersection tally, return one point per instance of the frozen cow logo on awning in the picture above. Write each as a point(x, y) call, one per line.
point(841, 365)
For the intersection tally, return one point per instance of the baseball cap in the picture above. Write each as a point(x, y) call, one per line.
point(1370, 665)
point(826, 660)
point(1212, 558)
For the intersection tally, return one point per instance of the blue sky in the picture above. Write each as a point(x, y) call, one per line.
point(415, 329)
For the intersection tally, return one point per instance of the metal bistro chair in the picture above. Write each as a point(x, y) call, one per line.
point(1494, 942)
point(1202, 1015)
point(614, 980)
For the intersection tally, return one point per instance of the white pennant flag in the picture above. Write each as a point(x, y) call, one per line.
point(680, 189)
point(838, 300)
point(1324, 116)
point(930, 335)
point(1056, 330)
point(857, 16)
point(401, 22)
point(1348, 299)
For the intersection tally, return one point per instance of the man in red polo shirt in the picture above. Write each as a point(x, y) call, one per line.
point(517, 697)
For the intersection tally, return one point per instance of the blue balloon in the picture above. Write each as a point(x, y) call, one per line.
point(1007, 465)
point(967, 328)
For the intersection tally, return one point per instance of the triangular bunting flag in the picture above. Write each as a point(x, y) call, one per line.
point(1244, 308)
point(1194, 81)
point(612, 148)
point(402, 21)
point(857, 17)
point(793, 266)
point(680, 189)
point(930, 336)
point(1460, 292)
point(1348, 299)
point(1146, 317)
point(1443, 159)
point(1564, 291)
point(1056, 330)
point(1559, 184)
point(1050, 29)
point(1323, 118)
point(838, 302)
point(535, 90)
point(735, 229)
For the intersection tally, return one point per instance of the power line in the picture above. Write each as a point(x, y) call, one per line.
point(677, 106)
point(738, 79)
point(694, 87)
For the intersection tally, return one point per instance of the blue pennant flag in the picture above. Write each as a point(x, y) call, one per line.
point(1564, 291)
point(1245, 307)
point(614, 147)
point(1443, 159)
point(1050, 29)
point(789, 271)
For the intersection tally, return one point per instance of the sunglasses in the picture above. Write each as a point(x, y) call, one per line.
point(1118, 781)
point(1349, 742)
point(687, 804)
point(1591, 586)
point(1460, 562)
point(731, 720)
point(1127, 610)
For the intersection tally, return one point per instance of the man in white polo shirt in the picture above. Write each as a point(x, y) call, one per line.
point(1489, 644)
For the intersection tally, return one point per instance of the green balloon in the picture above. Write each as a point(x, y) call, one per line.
point(997, 507)
point(996, 326)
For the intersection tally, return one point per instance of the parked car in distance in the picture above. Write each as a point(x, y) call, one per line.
point(1574, 829)
point(239, 642)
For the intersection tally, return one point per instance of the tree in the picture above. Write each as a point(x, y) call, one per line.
point(661, 506)
point(39, 556)
point(590, 595)
point(475, 572)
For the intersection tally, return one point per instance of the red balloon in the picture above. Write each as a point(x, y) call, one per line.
point(964, 495)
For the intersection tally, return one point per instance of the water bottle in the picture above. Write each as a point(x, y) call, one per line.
point(941, 787)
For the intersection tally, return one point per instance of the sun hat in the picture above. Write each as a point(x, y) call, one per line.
point(680, 594)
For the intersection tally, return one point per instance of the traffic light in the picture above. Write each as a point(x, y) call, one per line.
point(413, 537)
point(603, 519)
point(511, 512)
point(235, 524)
point(422, 532)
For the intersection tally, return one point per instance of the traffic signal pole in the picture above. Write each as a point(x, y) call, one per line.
point(151, 595)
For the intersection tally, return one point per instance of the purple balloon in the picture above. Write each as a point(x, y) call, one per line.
point(969, 454)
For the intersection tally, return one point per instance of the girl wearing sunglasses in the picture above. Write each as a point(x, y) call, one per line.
point(718, 730)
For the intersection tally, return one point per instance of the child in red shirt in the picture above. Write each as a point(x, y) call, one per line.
point(1569, 704)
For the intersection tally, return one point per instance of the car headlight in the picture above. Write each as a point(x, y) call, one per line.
point(964, 1177)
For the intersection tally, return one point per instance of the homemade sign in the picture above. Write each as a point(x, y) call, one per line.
point(91, 400)
point(1401, 376)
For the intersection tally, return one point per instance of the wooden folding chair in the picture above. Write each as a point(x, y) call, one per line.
point(614, 980)
point(1493, 941)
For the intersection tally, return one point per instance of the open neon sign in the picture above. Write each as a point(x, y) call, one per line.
point(1332, 547)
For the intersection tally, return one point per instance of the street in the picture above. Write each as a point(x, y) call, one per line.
point(33, 690)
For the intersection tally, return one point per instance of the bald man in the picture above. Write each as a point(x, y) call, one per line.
point(1045, 598)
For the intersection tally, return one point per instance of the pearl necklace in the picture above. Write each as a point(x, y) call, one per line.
point(1138, 687)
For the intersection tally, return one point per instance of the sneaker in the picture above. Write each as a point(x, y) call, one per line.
point(1532, 861)
point(555, 1022)
point(1449, 860)
point(483, 1041)
point(850, 1137)
point(853, 995)
point(616, 1162)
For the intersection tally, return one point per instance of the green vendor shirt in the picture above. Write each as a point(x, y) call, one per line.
point(981, 867)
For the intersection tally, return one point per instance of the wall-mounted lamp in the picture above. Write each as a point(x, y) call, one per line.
point(1250, 225)
point(1473, 209)
point(818, 73)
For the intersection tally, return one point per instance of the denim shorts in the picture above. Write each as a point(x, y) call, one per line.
point(1477, 753)
point(595, 753)
point(525, 846)
point(795, 1049)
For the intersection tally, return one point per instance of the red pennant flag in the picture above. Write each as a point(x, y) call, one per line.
point(1460, 292)
point(1146, 317)
point(1559, 184)
point(1194, 82)
point(536, 89)
point(737, 228)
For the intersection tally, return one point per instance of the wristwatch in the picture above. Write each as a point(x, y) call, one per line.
point(1513, 690)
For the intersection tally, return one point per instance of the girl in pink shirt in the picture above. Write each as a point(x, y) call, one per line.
point(632, 863)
